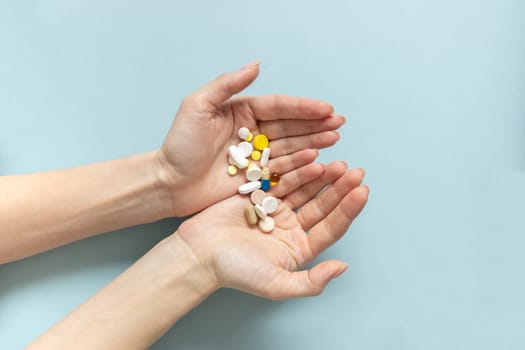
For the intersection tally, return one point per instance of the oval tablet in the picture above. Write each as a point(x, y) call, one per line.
point(249, 212)
point(238, 157)
point(270, 204)
point(259, 210)
point(249, 187)
point(265, 156)
point(257, 196)
point(267, 224)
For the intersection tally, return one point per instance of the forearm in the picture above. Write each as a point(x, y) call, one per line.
point(44, 210)
point(138, 306)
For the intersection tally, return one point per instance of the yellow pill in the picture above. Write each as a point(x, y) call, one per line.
point(256, 155)
point(249, 137)
point(260, 142)
point(232, 170)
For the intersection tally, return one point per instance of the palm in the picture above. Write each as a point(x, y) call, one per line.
point(263, 264)
point(195, 150)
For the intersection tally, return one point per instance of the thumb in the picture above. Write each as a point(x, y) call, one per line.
point(306, 283)
point(209, 97)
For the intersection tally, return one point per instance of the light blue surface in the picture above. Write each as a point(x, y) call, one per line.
point(434, 92)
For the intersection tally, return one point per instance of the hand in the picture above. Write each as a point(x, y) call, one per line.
point(194, 155)
point(242, 257)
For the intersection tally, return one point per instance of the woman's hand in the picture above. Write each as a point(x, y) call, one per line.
point(193, 157)
point(240, 256)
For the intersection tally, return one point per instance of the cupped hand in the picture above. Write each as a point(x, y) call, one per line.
point(194, 154)
point(240, 256)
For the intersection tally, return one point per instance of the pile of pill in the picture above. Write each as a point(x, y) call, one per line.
point(259, 177)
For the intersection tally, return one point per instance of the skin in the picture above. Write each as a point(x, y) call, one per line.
point(42, 211)
point(216, 249)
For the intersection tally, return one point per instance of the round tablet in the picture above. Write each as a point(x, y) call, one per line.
point(256, 155)
point(270, 204)
point(253, 173)
point(243, 133)
point(260, 142)
point(246, 148)
point(232, 170)
point(257, 196)
point(267, 224)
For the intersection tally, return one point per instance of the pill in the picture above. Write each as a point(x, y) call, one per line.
point(246, 148)
point(265, 184)
point(249, 138)
point(243, 133)
point(259, 210)
point(265, 173)
point(257, 196)
point(256, 155)
point(270, 204)
point(232, 170)
point(238, 157)
point(260, 142)
point(249, 212)
point(230, 160)
point(249, 187)
point(253, 173)
point(275, 177)
point(267, 224)
point(265, 156)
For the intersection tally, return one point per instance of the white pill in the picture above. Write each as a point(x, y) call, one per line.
point(267, 224)
point(253, 173)
point(246, 148)
point(238, 157)
point(243, 133)
point(249, 187)
point(270, 204)
point(265, 156)
point(259, 210)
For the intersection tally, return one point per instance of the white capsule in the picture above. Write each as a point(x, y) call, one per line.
point(243, 133)
point(253, 173)
point(246, 148)
point(267, 224)
point(249, 187)
point(259, 210)
point(238, 157)
point(265, 156)
point(270, 204)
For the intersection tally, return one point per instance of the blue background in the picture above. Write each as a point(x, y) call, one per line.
point(434, 92)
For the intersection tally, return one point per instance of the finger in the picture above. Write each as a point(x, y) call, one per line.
point(304, 283)
point(293, 144)
point(276, 129)
point(334, 226)
point(272, 107)
point(303, 194)
point(287, 163)
point(216, 92)
point(296, 178)
point(319, 207)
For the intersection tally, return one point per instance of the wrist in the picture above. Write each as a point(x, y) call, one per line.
point(165, 182)
point(184, 263)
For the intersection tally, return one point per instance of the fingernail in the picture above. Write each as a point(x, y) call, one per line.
point(340, 271)
point(251, 65)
